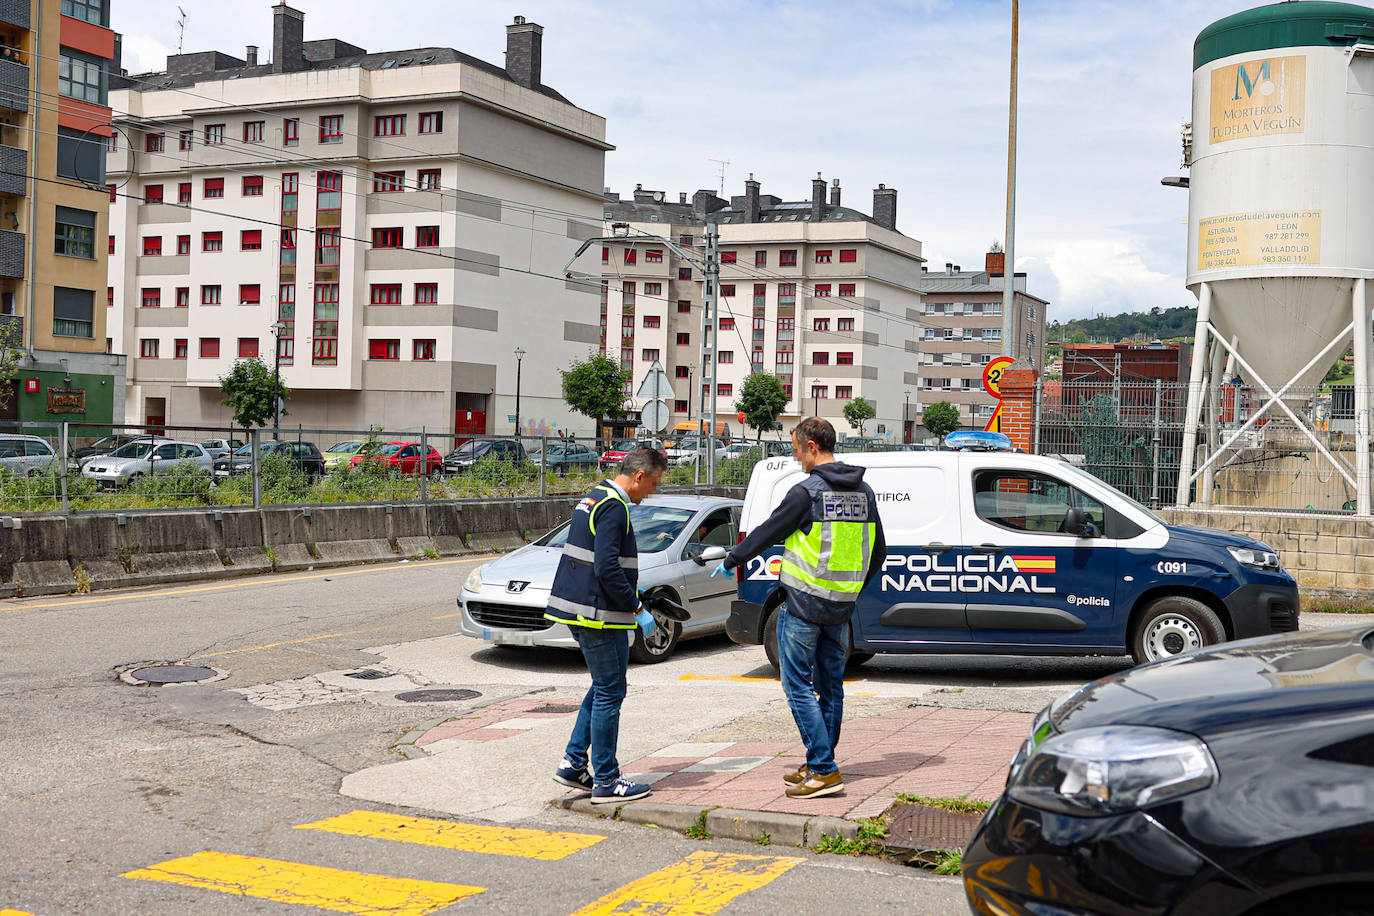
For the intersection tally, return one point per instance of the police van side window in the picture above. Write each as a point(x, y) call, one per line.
point(1029, 502)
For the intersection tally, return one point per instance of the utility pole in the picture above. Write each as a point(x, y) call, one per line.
point(1116, 379)
point(519, 359)
point(1009, 271)
point(712, 291)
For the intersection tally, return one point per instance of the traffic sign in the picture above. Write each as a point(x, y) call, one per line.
point(995, 422)
point(655, 384)
point(655, 416)
point(992, 375)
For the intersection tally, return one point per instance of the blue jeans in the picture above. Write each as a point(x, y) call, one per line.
point(813, 679)
point(598, 721)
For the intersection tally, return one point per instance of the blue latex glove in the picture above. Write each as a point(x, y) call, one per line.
point(646, 621)
point(720, 570)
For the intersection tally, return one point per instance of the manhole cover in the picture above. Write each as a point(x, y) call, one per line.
point(438, 695)
point(173, 674)
point(923, 827)
point(369, 674)
point(550, 708)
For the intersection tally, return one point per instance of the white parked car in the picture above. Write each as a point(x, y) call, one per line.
point(143, 457)
point(689, 448)
point(26, 455)
point(218, 448)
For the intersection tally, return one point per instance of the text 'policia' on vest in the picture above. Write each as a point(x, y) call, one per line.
point(598, 589)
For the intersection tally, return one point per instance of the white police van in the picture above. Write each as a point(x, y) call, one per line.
point(1001, 552)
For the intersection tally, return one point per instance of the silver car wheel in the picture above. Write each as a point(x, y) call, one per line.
point(1172, 635)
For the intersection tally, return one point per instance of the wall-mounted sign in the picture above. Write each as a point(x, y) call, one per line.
point(66, 400)
point(30, 386)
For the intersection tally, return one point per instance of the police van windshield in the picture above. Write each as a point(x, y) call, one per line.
point(655, 528)
point(1150, 513)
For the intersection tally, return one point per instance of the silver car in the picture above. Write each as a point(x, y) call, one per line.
point(145, 456)
point(680, 539)
point(26, 455)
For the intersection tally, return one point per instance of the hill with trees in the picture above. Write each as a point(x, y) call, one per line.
point(1157, 323)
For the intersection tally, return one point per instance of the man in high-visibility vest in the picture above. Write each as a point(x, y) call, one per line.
point(834, 547)
point(595, 592)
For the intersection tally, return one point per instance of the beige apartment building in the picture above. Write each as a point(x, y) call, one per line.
point(390, 226)
point(822, 295)
point(962, 316)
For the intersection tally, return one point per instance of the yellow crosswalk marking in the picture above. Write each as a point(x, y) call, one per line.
point(309, 885)
point(701, 884)
point(500, 841)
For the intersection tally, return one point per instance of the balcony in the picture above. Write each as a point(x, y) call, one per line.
point(14, 165)
point(14, 85)
point(11, 254)
point(15, 13)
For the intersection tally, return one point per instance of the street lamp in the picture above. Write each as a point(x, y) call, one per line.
point(278, 328)
point(519, 357)
point(906, 419)
point(691, 370)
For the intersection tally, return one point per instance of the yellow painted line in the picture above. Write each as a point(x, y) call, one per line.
point(701, 884)
point(447, 616)
point(308, 885)
point(499, 841)
point(15, 913)
point(274, 580)
point(747, 678)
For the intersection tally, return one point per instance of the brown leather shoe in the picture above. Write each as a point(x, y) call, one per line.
point(815, 785)
point(796, 775)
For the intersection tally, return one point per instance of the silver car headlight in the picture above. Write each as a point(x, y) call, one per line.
point(1111, 769)
point(474, 582)
point(1254, 558)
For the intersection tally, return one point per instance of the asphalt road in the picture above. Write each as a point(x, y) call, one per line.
point(103, 779)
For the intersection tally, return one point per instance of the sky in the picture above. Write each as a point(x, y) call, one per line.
point(911, 94)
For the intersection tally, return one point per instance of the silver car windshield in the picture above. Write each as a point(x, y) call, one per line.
point(655, 528)
point(132, 450)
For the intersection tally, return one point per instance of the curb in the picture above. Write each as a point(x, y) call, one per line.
point(799, 830)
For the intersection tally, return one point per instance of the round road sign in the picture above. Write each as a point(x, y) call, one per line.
point(655, 415)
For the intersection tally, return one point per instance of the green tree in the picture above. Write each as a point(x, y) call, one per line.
point(9, 361)
point(247, 390)
point(594, 387)
point(761, 400)
point(858, 412)
point(940, 418)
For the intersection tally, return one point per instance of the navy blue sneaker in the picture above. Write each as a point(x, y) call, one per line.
point(622, 790)
point(573, 777)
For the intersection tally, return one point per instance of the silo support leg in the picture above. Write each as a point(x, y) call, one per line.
point(1361, 329)
point(1201, 337)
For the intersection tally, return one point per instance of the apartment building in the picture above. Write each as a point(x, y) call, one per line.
point(962, 316)
point(55, 60)
point(395, 224)
point(817, 293)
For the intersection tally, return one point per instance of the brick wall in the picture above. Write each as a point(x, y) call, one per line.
point(1018, 405)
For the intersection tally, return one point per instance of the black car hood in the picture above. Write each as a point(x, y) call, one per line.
point(1206, 693)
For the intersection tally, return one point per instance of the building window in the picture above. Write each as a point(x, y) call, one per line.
point(431, 122)
point(290, 192)
point(183, 297)
point(327, 247)
point(685, 241)
point(386, 294)
point(1030, 313)
point(684, 273)
point(214, 187)
point(844, 392)
point(653, 289)
point(291, 131)
point(288, 248)
point(680, 406)
point(252, 131)
point(820, 324)
point(631, 256)
point(152, 298)
point(822, 291)
point(81, 76)
point(186, 139)
point(114, 192)
point(653, 256)
point(729, 257)
point(209, 348)
point(383, 349)
point(787, 257)
point(212, 241)
point(392, 237)
point(726, 357)
point(329, 190)
point(844, 359)
point(152, 246)
point(727, 324)
point(649, 355)
point(109, 297)
point(388, 181)
point(651, 321)
point(112, 244)
point(823, 256)
point(331, 129)
point(845, 324)
point(426, 293)
point(683, 372)
point(725, 391)
point(820, 358)
point(727, 290)
point(248, 347)
point(251, 240)
point(427, 179)
point(74, 234)
point(92, 11)
point(209, 295)
point(214, 134)
point(846, 290)
point(147, 349)
point(849, 255)
point(153, 143)
point(819, 392)
point(427, 237)
point(184, 192)
point(252, 186)
point(684, 339)
point(423, 350)
point(250, 294)
point(73, 312)
point(152, 194)
point(179, 348)
point(183, 244)
point(389, 126)
point(684, 306)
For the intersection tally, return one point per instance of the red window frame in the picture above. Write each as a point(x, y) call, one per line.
point(844, 392)
point(252, 185)
point(787, 257)
point(385, 294)
point(331, 129)
point(684, 306)
point(822, 291)
point(652, 321)
point(112, 244)
point(250, 240)
point(214, 134)
point(725, 357)
point(152, 194)
point(648, 354)
point(109, 297)
point(845, 324)
point(248, 347)
point(184, 192)
point(213, 188)
point(605, 254)
point(210, 294)
point(151, 298)
point(820, 392)
point(725, 390)
point(389, 125)
point(154, 143)
point(849, 255)
point(212, 241)
point(820, 324)
point(631, 256)
point(326, 241)
point(846, 290)
point(388, 182)
point(653, 289)
point(653, 256)
point(679, 406)
point(250, 294)
point(431, 122)
point(152, 246)
point(727, 324)
point(209, 348)
point(180, 348)
point(290, 131)
point(253, 131)
point(820, 358)
point(183, 297)
point(389, 237)
point(147, 348)
point(186, 139)
point(760, 259)
point(183, 244)
point(114, 192)
point(426, 293)
point(328, 191)
point(684, 339)
point(428, 179)
point(684, 273)
point(422, 350)
point(729, 257)
point(683, 372)
point(727, 290)
point(384, 348)
point(844, 358)
point(426, 236)
point(290, 192)
point(823, 256)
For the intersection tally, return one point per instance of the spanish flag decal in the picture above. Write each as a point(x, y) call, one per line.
point(1034, 564)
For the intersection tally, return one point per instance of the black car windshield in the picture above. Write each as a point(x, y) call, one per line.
point(247, 448)
point(133, 450)
point(655, 528)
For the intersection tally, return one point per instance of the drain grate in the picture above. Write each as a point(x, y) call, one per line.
point(923, 827)
point(437, 695)
point(173, 674)
point(368, 674)
point(554, 708)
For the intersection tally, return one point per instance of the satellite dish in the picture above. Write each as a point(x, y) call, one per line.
point(658, 196)
point(654, 416)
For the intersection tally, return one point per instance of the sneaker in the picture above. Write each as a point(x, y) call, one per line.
point(622, 790)
point(796, 775)
point(573, 777)
point(815, 785)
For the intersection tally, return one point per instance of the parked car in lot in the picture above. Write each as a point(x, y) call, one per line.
point(680, 538)
point(341, 453)
point(689, 448)
point(218, 448)
point(474, 450)
point(405, 458)
point(26, 455)
point(611, 458)
point(144, 457)
point(567, 456)
point(305, 455)
point(1228, 781)
point(76, 457)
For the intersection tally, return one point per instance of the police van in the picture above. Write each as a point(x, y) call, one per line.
point(1001, 552)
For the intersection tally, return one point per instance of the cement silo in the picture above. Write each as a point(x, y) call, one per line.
point(1281, 215)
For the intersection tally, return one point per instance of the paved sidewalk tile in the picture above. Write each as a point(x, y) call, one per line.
point(726, 764)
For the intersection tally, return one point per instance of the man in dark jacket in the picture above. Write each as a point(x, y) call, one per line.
point(595, 593)
point(834, 547)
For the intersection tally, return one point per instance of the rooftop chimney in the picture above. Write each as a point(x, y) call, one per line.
point(995, 263)
point(524, 52)
point(835, 194)
point(288, 39)
point(751, 200)
point(885, 207)
point(250, 57)
point(705, 203)
point(949, 268)
point(817, 198)
point(682, 197)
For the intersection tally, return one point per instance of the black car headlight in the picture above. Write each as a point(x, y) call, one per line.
point(1255, 558)
point(1111, 769)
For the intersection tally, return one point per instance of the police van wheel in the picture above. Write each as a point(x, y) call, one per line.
point(770, 642)
point(1173, 625)
point(658, 645)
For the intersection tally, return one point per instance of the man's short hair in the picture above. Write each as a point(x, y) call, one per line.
point(643, 458)
point(814, 429)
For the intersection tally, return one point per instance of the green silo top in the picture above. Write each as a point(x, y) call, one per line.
point(1295, 24)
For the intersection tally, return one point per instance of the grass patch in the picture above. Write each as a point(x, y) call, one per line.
point(960, 805)
point(699, 830)
point(949, 863)
point(1338, 608)
point(765, 839)
point(866, 843)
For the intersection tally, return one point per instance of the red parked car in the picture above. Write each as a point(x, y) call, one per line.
point(611, 458)
point(405, 458)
